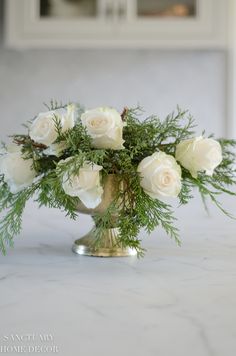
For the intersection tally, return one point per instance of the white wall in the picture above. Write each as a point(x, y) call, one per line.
point(158, 80)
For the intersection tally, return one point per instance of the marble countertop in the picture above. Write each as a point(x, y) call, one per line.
point(174, 302)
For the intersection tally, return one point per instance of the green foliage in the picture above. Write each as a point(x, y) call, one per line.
point(14, 205)
point(142, 138)
point(140, 211)
point(221, 182)
point(136, 209)
point(55, 105)
point(51, 194)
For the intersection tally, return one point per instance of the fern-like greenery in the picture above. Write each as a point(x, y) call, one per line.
point(137, 210)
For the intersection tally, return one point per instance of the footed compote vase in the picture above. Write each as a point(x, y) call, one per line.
point(109, 245)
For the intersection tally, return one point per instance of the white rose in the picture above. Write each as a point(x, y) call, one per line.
point(86, 185)
point(105, 126)
point(199, 154)
point(160, 175)
point(18, 172)
point(43, 129)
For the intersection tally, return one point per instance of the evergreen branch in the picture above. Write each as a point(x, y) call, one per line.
point(203, 183)
point(55, 105)
point(52, 195)
point(25, 140)
point(76, 139)
point(10, 225)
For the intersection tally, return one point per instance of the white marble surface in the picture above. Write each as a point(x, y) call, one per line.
point(174, 302)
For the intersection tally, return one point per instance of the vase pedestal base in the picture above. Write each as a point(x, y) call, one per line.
point(107, 246)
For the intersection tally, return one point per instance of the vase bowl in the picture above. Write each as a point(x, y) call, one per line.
point(109, 245)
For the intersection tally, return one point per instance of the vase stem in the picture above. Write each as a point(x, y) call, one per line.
point(107, 246)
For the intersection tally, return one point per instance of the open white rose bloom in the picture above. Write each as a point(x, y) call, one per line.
point(199, 154)
point(160, 175)
point(43, 129)
point(118, 168)
point(105, 126)
point(85, 185)
point(18, 172)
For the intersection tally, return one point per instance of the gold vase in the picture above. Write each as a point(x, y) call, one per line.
point(109, 245)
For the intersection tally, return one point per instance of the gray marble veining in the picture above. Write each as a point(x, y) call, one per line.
point(175, 301)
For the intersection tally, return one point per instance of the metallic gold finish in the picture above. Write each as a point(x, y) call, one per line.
point(108, 242)
point(107, 246)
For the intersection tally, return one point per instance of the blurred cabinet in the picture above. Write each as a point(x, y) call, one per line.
point(116, 23)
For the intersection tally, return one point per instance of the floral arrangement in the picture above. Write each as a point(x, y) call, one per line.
point(67, 152)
